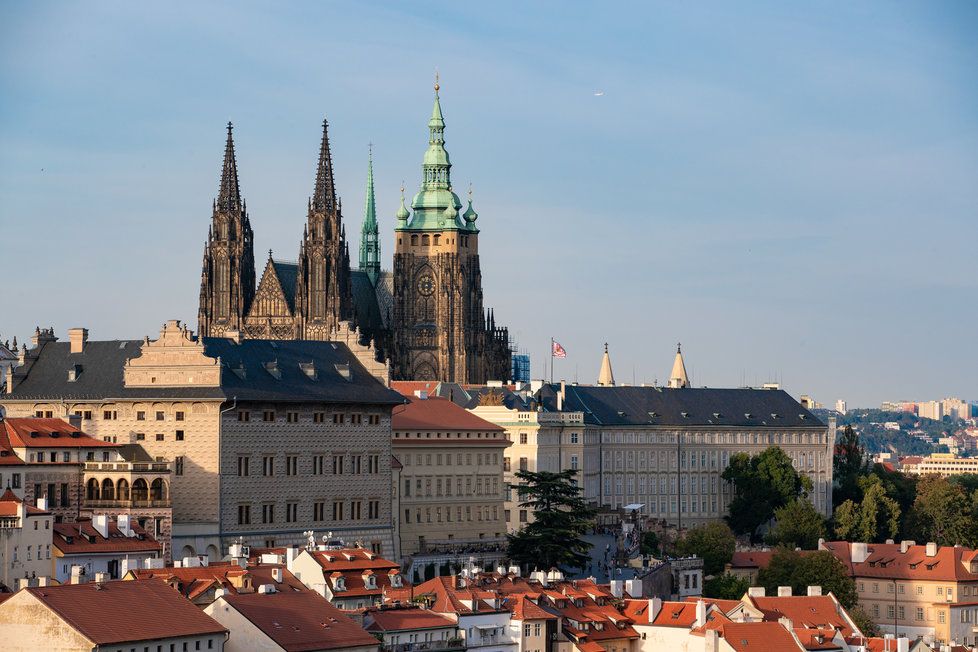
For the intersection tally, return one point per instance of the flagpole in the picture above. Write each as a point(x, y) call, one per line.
point(551, 361)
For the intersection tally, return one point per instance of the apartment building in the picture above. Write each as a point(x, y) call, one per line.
point(452, 484)
point(25, 541)
point(912, 590)
point(944, 464)
point(267, 439)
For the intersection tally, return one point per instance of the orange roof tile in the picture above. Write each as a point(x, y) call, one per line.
point(9, 502)
point(391, 620)
point(436, 413)
point(759, 637)
point(804, 611)
point(85, 539)
point(161, 612)
point(300, 621)
point(46, 433)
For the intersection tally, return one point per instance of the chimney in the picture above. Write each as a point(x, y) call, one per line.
point(101, 524)
point(102, 577)
point(277, 575)
point(77, 337)
point(655, 606)
point(125, 525)
point(560, 396)
point(634, 588)
point(814, 591)
point(42, 503)
point(290, 554)
point(931, 549)
point(756, 592)
point(44, 580)
point(711, 640)
point(617, 586)
point(859, 552)
point(219, 593)
point(903, 644)
point(905, 545)
point(421, 393)
point(700, 614)
point(514, 571)
point(266, 588)
point(77, 574)
point(784, 591)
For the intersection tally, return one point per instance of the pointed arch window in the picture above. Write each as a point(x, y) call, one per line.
point(222, 287)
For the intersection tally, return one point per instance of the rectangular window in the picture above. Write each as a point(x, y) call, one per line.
point(178, 416)
point(244, 415)
point(373, 509)
point(64, 494)
point(356, 419)
point(373, 464)
point(318, 417)
point(268, 513)
point(319, 511)
point(355, 509)
point(318, 464)
point(291, 512)
point(355, 461)
point(160, 416)
point(15, 481)
point(523, 437)
point(337, 510)
point(244, 464)
point(178, 465)
point(244, 514)
point(109, 415)
point(523, 516)
point(920, 613)
point(337, 418)
point(337, 465)
point(291, 465)
point(268, 465)
point(159, 436)
point(179, 435)
point(140, 436)
point(268, 415)
point(292, 417)
point(140, 415)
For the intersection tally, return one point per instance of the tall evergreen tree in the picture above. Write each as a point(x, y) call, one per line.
point(561, 518)
point(848, 465)
point(762, 484)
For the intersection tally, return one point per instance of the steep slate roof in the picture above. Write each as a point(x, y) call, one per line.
point(123, 612)
point(102, 373)
point(287, 274)
point(299, 621)
point(365, 304)
point(704, 407)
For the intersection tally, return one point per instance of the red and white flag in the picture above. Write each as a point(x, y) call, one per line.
point(557, 350)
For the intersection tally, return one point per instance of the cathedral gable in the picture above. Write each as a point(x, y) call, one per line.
point(272, 299)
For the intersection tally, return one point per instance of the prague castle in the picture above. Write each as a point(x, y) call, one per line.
point(423, 321)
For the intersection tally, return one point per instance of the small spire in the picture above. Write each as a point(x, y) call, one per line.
point(606, 376)
point(269, 254)
point(678, 377)
point(437, 86)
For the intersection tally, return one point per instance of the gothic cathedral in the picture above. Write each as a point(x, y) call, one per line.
point(424, 321)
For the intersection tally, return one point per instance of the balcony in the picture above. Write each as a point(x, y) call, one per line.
point(125, 504)
point(128, 467)
point(460, 546)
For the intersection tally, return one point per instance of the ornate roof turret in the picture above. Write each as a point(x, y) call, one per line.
point(369, 233)
point(402, 214)
point(324, 194)
point(229, 195)
point(470, 215)
point(678, 377)
point(606, 377)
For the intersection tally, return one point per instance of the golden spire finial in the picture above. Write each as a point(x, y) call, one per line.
point(436, 80)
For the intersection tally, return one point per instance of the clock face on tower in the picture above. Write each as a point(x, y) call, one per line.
point(426, 285)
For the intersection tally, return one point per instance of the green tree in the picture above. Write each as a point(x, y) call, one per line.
point(797, 524)
point(726, 587)
point(561, 518)
point(762, 484)
point(865, 624)
point(874, 519)
point(714, 542)
point(943, 513)
point(848, 465)
point(799, 571)
point(649, 544)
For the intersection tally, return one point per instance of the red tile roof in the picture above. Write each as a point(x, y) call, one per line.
point(811, 612)
point(885, 561)
point(9, 502)
point(409, 387)
point(352, 564)
point(195, 580)
point(124, 612)
point(47, 433)
point(759, 637)
point(436, 413)
point(85, 539)
point(523, 608)
point(392, 620)
point(300, 621)
point(672, 614)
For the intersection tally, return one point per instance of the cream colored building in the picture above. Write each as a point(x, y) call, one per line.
point(266, 439)
point(944, 464)
point(25, 541)
point(452, 486)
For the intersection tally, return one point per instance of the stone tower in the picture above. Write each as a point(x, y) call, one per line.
point(227, 279)
point(440, 330)
point(322, 292)
point(370, 233)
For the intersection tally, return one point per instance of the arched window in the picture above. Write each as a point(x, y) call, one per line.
point(122, 489)
point(140, 490)
point(437, 239)
point(158, 490)
point(223, 286)
point(414, 240)
point(108, 490)
point(424, 240)
point(92, 492)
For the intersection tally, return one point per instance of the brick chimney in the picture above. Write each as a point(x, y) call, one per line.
point(77, 337)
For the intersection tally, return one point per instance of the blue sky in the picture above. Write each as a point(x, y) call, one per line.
point(791, 191)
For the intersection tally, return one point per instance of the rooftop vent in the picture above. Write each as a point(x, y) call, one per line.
point(34, 434)
point(774, 415)
point(272, 368)
point(55, 435)
point(653, 414)
point(717, 415)
point(239, 371)
point(685, 415)
point(74, 371)
point(75, 434)
point(748, 415)
point(343, 370)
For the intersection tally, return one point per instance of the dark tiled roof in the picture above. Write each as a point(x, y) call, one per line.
point(125, 612)
point(365, 304)
point(701, 407)
point(511, 399)
point(102, 364)
point(287, 274)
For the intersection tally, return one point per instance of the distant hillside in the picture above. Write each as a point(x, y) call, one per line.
point(869, 424)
